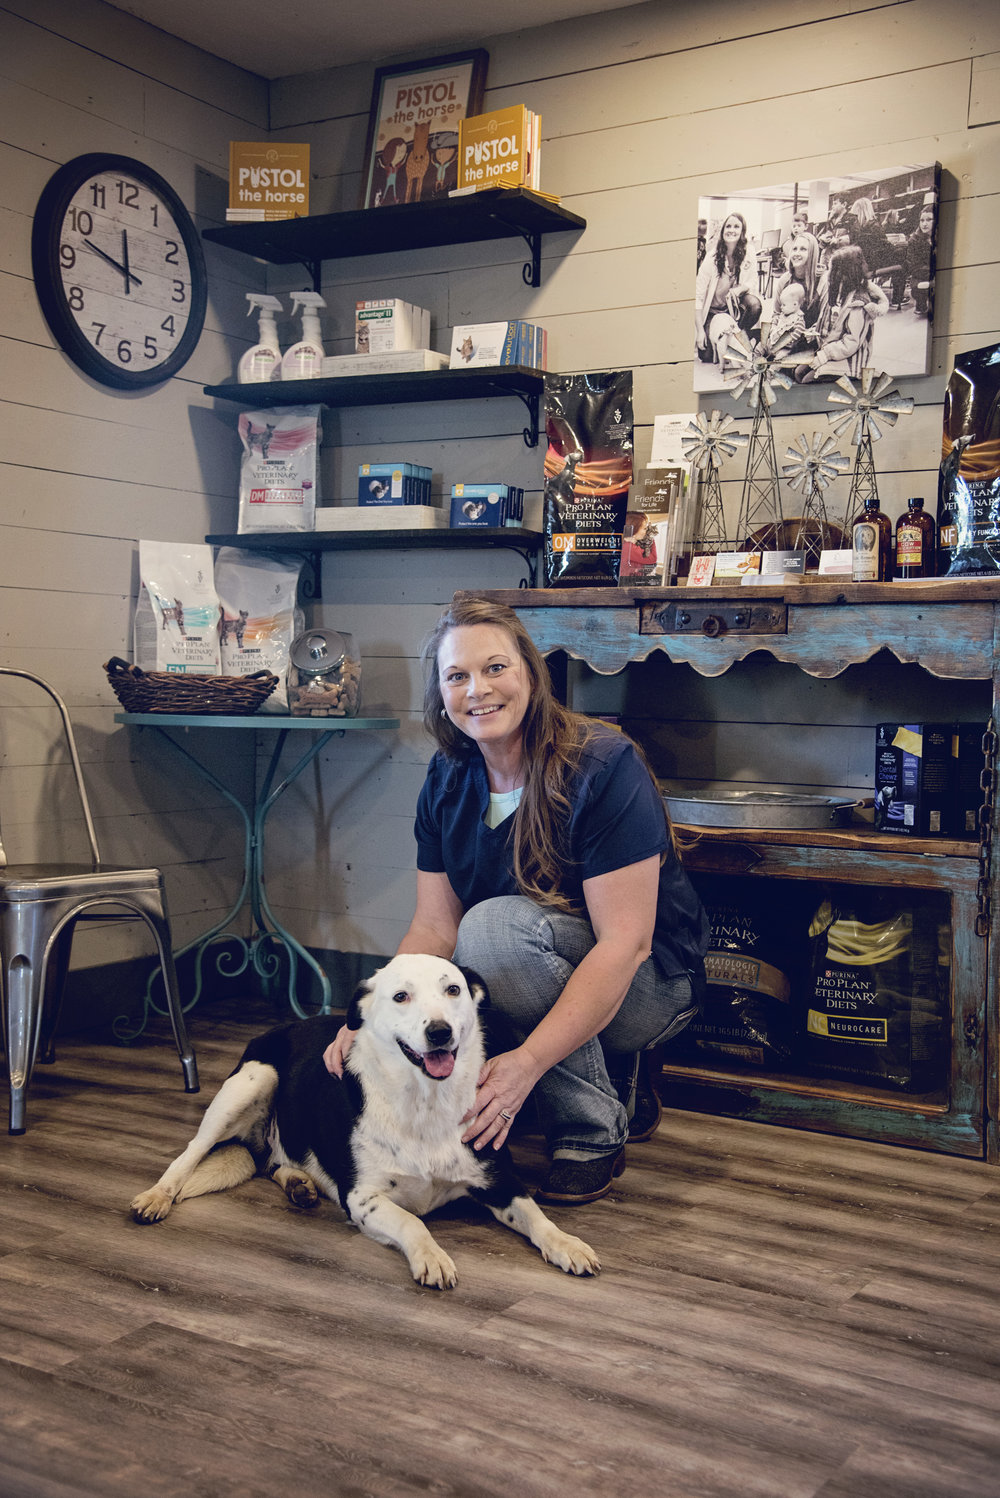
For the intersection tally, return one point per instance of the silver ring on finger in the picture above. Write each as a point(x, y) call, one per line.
point(506, 1116)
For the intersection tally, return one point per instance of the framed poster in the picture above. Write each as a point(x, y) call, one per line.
point(411, 155)
point(835, 273)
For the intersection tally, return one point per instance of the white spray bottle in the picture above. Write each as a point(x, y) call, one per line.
point(304, 360)
point(263, 361)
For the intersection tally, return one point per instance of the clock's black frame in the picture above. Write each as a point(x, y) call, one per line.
point(45, 236)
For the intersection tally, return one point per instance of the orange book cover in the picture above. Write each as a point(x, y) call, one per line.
point(267, 181)
point(494, 149)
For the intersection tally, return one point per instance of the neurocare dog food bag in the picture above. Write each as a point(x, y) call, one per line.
point(176, 625)
point(278, 469)
point(258, 616)
point(969, 479)
point(588, 470)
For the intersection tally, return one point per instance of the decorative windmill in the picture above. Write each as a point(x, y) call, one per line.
point(707, 443)
point(750, 370)
point(813, 466)
point(874, 401)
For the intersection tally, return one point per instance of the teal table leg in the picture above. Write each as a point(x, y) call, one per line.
point(256, 950)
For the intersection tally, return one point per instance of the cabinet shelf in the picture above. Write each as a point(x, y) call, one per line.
point(500, 213)
point(397, 389)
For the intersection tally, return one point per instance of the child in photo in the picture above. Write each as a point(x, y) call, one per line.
point(788, 324)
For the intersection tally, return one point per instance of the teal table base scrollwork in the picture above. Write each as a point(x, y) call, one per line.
point(258, 951)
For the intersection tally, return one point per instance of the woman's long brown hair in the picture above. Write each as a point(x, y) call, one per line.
point(553, 739)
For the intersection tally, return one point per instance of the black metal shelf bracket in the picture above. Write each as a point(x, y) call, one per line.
point(529, 398)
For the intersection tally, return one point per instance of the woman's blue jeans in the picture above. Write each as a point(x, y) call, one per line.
point(525, 953)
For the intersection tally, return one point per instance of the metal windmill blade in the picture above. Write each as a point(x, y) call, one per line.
point(748, 369)
point(707, 442)
point(813, 467)
point(867, 402)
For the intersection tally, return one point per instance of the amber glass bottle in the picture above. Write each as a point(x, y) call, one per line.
point(916, 543)
point(871, 545)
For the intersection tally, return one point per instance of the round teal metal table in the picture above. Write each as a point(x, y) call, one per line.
point(255, 951)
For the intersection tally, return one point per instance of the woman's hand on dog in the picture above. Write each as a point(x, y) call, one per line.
point(336, 1052)
point(504, 1083)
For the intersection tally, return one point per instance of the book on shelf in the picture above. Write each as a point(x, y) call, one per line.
point(499, 149)
point(267, 181)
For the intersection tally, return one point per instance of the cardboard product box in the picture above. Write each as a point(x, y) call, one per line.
point(386, 324)
point(481, 344)
point(392, 361)
point(914, 778)
point(479, 505)
point(381, 518)
point(969, 764)
point(399, 483)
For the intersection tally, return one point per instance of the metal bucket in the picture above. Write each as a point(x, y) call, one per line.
point(726, 805)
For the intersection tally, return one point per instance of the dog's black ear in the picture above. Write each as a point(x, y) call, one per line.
point(480, 993)
point(355, 1018)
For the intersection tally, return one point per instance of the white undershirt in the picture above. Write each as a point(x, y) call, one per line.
point(502, 805)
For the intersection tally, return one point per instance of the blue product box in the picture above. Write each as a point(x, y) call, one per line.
point(479, 505)
point(392, 484)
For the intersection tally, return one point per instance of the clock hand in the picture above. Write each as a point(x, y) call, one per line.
point(123, 269)
point(128, 275)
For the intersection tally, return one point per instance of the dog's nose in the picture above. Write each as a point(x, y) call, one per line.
point(439, 1036)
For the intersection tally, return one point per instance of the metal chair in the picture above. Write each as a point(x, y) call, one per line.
point(39, 906)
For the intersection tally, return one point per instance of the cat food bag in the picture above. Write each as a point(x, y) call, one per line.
point(176, 624)
point(969, 478)
point(588, 470)
point(756, 956)
point(278, 469)
point(878, 1000)
point(258, 616)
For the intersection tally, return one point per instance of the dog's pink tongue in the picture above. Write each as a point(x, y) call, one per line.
point(439, 1063)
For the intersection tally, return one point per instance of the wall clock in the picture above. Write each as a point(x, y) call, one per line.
point(119, 270)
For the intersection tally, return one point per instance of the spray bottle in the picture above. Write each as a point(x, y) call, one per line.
point(304, 360)
point(263, 361)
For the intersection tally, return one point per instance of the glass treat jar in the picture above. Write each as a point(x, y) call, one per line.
point(324, 675)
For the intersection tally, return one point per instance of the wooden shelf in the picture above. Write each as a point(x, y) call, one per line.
point(525, 543)
point(396, 389)
point(497, 214)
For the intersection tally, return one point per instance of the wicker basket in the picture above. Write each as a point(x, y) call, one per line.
point(168, 692)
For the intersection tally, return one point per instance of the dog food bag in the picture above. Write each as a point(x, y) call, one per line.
point(969, 478)
point(878, 1005)
point(278, 469)
point(258, 616)
point(588, 470)
point(176, 624)
point(756, 955)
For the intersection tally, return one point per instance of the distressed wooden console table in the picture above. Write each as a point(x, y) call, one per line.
point(951, 629)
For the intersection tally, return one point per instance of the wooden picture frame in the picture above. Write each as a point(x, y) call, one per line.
point(411, 154)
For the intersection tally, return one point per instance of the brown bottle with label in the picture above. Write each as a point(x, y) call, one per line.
point(916, 543)
point(871, 545)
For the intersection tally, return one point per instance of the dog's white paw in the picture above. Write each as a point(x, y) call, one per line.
point(152, 1205)
point(430, 1265)
point(571, 1254)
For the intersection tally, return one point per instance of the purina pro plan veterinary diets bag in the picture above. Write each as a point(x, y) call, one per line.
point(176, 625)
point(278, 469)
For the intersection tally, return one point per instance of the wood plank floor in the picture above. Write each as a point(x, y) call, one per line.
point(780, 1314)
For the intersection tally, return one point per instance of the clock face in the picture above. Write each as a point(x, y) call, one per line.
point(119, 270)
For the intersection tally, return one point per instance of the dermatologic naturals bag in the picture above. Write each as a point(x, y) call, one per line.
point(176, 625)
point(969, 480)
point(278, 469)
point(588, 470)
point(258, 618)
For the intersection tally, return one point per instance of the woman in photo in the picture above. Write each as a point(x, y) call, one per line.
point(725, 298)
point(844, 330)
point(804, 270)
point(918, 261)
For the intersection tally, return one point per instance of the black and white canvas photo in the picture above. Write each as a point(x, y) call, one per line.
point(832, 274)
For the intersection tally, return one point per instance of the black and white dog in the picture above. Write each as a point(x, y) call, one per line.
point(387, 1139)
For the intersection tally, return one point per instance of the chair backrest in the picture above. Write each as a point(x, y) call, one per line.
point(74, 758)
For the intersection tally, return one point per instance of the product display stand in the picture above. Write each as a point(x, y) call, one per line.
point(257, 951)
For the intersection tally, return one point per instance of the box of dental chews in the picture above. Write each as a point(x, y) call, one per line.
point(399, 483)
point(486, 505)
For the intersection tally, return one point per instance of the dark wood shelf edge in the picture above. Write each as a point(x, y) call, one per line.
point(497, 214)
point(361, 540)
point(385, 390)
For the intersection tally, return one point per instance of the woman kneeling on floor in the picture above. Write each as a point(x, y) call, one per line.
point(546, 863)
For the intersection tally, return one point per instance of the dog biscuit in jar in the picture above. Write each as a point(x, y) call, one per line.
point(324, 675)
